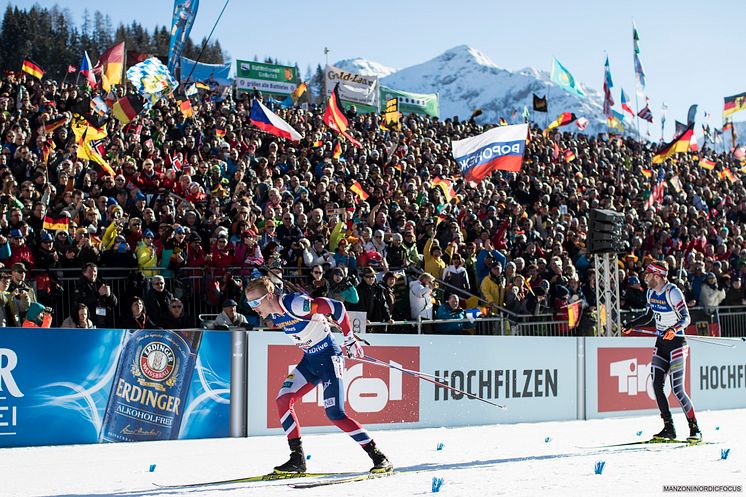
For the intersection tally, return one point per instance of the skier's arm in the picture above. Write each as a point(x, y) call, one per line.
point(677, 302)
point(639, 321)
point(334, 309)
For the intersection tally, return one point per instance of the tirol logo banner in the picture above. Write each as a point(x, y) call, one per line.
point(373, 394)
point(625, 380)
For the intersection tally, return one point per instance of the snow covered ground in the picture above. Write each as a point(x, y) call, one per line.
point(516, 460)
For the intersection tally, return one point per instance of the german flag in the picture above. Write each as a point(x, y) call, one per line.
point(357, 189)
point(202, 86)
point(679, 144)
point(127, 108)
point(734, 103)
point(569, 155)
point(562, 120)
point(447, 187)
point(52, 125)
point(298, 92)
point(219, 132)
point(728, 174)
point(337, 151)
point(647, 173)
point(706, 164)
point(54, 224)
point(334, 116)
point(317, 143)
point(33, 69)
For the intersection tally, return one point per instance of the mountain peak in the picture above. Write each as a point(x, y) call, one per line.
point(466, 53)
point(365, 67)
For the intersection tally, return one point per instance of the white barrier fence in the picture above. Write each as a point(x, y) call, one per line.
point(536, 378)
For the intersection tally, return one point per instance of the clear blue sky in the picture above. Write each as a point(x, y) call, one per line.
point(692, 51)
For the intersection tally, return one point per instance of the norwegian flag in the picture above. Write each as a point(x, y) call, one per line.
point(646, 114)
point(71, 69)
point(582, 123)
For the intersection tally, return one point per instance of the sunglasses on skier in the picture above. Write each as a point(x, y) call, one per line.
point(257, 302)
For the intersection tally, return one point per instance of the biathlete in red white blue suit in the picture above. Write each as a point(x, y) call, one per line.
point(306, 321)
point(667, 306)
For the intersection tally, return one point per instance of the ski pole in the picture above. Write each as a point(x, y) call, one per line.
point(423, 376)
point(383, 363)
point(708, 340)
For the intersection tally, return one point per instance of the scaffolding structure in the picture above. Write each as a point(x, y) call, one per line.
point(608, 322)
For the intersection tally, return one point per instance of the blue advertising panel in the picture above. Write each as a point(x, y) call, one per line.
point(69, 386)
point(181, 25)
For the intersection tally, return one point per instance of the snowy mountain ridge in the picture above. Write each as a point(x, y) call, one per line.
point(466, 79)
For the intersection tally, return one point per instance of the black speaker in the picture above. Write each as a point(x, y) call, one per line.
point(605, 232)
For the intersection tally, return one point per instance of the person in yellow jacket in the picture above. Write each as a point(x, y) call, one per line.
point(434, 263)
point(147, 257)
point(493, 285)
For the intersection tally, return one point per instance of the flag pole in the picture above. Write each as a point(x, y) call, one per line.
point(637, 117)
point(204, 45)
point(546, 116)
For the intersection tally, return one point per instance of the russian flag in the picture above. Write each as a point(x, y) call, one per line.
point(268, 121)
point(86, 69)
point(499, 148)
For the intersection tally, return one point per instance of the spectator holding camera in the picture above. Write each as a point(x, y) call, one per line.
point(96, 295)
point(319, 286)
point(371, 299)
point(711, 294)
point(342, 286)
point(22, 295)
point(421, 296)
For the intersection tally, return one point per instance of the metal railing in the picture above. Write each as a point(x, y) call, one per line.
point(202, 290)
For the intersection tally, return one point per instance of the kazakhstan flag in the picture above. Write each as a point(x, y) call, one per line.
point(564, 79)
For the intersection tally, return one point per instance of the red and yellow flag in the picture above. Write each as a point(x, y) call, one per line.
point(679, 144)
point(647, 173)
point(109, 66)
point(707, 164)
point(357, 189)
point(573, 314)
point(32, 68)
point(335, 118)
point(337, 151)
point(186, 108)
point(298, 92)
point(219, 132)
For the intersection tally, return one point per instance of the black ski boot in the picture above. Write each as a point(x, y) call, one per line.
point(667, 433)
point(694, 434)
point(297, 461)
point(380, 463)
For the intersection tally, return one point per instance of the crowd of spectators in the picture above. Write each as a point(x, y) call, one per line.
point(211, 199)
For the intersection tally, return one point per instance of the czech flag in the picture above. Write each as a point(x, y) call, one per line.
point(86, 69)
point(499, 148)
point(625, 104)
point(271, 123)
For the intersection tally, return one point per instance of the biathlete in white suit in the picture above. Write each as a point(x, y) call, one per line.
point(667, 306)
point(305, 321)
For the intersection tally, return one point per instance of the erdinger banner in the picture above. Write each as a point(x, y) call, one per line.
point(68, 386)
